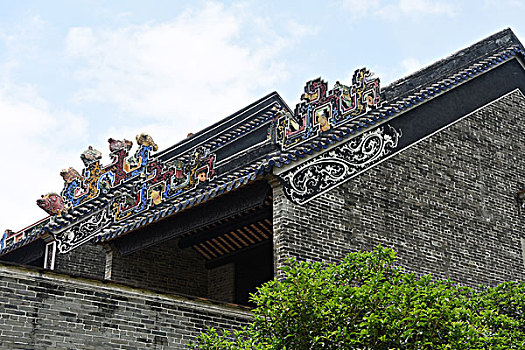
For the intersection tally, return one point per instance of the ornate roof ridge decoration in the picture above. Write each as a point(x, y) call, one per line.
point(329, 169)
point(294, 178)
point(11, 240)
point(318, 141)
point(98, 200)
point(226, 184)
point(322, 110)
point(122, 189)
point(388, 110)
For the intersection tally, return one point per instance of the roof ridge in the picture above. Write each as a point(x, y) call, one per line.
point(454, 62)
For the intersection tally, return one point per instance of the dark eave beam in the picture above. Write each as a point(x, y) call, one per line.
point(234, 203)
point(214, 232)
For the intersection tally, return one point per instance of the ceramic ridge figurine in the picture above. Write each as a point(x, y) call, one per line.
point(146, 140)
point(117, 145)
point(90, 155)
point(70, 175)
point(51, 203)
point(293, 123)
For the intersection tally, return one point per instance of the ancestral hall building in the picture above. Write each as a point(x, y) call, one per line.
point(146, 251)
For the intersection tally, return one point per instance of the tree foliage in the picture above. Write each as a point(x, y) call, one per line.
point(369, 302)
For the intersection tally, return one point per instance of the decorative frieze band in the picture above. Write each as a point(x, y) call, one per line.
point(330, 169)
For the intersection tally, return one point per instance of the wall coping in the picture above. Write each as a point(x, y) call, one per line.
point(195, 303)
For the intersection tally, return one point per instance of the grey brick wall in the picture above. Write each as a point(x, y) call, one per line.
point(446, 204)
point(221, 283)
point(164, 266)
point(169, 268)
point(45, 310)
point(87, 260)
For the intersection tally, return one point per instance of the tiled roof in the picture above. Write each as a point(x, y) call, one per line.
point(228, 183)
point(332, 137)
point(392, 109)
point(249, 165)
point(240, 162)
point(23, 237)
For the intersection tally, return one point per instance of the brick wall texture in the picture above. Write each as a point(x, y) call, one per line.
point(221, 283)
point(446, 205)
point(167, 267)
point(164, 266)
point(46, 310)
point(88, 260)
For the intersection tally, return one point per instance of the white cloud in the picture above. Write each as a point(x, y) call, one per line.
point(183, 74)
point(391, 73)
point(517, 3)
point(399, 8)
point(426, 7)
point(411, 65)
point(358, 8)
point(166, 79)
point(503, 4)
point(37, 140)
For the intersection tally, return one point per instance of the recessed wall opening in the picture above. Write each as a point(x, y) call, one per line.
point(241, 243)
point(30, 255)
point(224, 253)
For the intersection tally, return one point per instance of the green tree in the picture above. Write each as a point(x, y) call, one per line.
point(369, 302)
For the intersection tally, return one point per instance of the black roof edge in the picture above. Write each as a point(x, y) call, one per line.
point(225, 122)
point(455, 62)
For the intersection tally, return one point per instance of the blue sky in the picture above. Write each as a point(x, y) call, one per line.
point(74, 73)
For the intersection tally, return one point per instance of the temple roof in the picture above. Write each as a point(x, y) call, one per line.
point(448, 66)
point(108, 201)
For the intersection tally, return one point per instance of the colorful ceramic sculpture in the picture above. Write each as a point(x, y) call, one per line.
point(90, 155)
point(70, 175)
point(146, 140)
point(117, 145)
point(51, 203)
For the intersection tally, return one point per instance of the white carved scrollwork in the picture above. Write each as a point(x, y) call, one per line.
point(82, 231)
point(334, 167)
